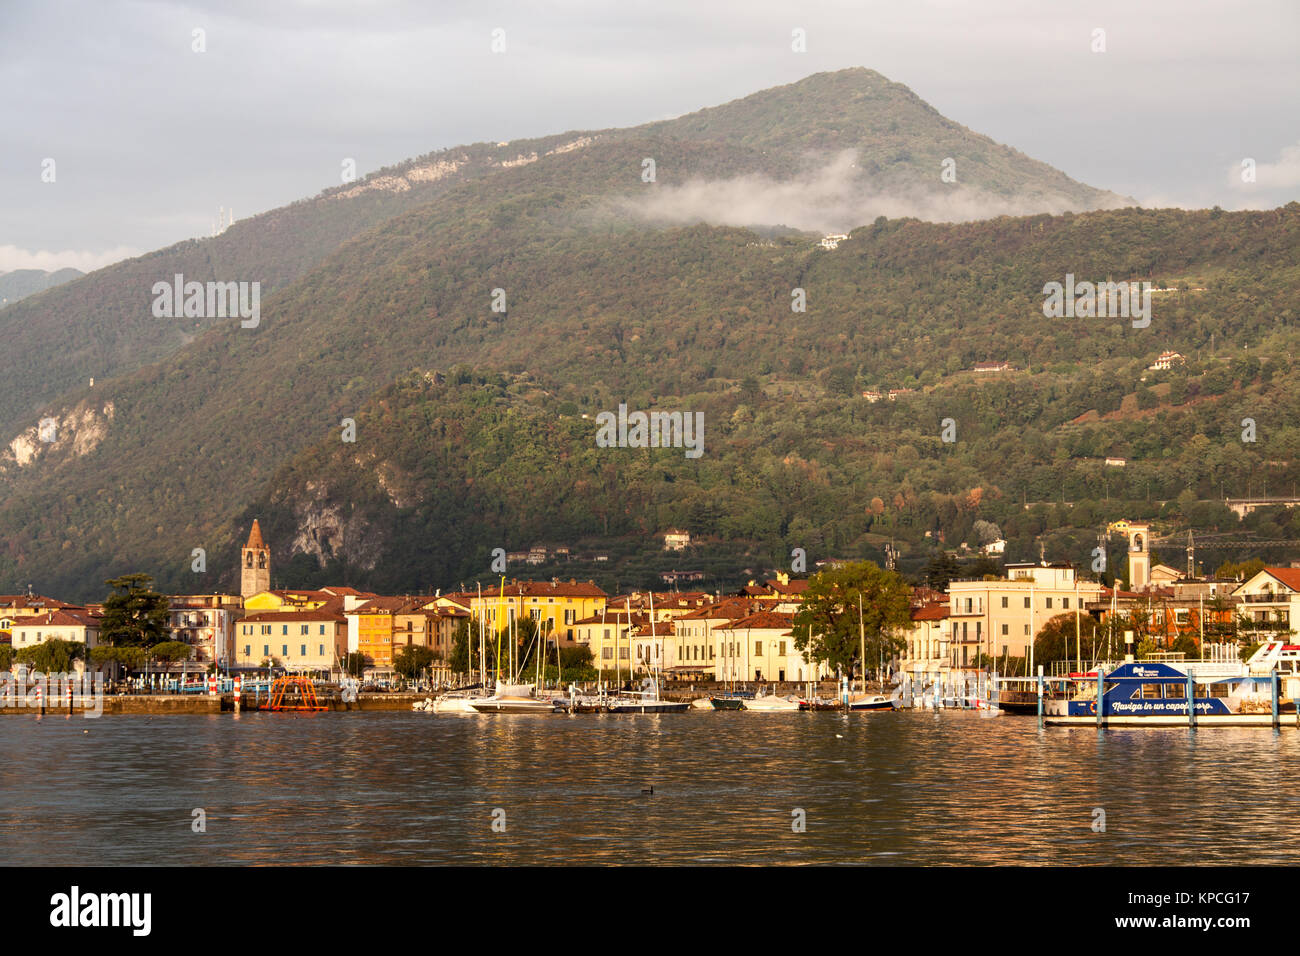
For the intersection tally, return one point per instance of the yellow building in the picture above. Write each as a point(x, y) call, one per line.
point(555, 605)
point(301, 641)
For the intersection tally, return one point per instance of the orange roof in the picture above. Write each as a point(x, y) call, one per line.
point(276, 617)
point(1288, 576)
point(62, 617)
point(930, 612)
point(255, 536)
point(763, 619)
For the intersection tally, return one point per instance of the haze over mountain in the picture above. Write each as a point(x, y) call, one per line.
point(377, 306)
point(21, 283)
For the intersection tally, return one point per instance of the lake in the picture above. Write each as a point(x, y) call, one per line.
point(395, 788)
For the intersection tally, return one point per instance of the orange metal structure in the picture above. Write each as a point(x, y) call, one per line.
point(293, 694)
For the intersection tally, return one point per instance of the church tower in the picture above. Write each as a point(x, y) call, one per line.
point(254, 564)
point(1139, 557)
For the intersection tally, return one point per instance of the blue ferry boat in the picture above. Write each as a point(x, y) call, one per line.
point(1154, 694)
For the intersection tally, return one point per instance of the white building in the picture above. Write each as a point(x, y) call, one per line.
point(64, 624)
point(1271, 600)
point(1002, 617)
point(207, 623)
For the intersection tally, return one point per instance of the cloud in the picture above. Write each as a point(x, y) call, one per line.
point(1284, 174)
point(12, 257)
point(833, 198)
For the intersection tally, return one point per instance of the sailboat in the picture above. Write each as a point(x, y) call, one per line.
point(867, 701)
point(647, 699)
point(768, 703)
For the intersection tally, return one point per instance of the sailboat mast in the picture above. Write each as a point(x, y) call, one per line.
point(862, 638)
point(500, 605)
point(654, 643)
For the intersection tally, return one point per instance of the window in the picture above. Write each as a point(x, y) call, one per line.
point(1151, 691)
point(304, 630)
point(1005, 629)
point(266, 650)
point(1026, 602)
point(783, 648)
point(1065, 603)
point(248, 651)
point(322, 628)
point(284, 650)
point(1026, 630)
point(321, 652)
point(1049, 603)
point(758, 647)
point(304, 650)
point(284, 629)
point(1005, 600)
point(622, 653)
point(607, 652)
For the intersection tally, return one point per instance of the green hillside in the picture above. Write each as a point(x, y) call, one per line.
point(693, 319)
point(101, 326)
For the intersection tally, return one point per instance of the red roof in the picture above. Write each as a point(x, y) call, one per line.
point(273, 617)
point(763, 619)
point(1288, 576)
point(931, 612)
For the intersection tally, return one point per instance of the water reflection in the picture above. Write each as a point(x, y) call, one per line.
point(908, 788)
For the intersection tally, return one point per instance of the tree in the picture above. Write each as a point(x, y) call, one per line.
point(826, 626)
point(6, 657)
point(355, 664)
point(170, 651)
point(460, 649)
point(135, 615)
point(52, 656)
point(128, 657)
point(941, 569)
point(1055, 641)
point(411, 661)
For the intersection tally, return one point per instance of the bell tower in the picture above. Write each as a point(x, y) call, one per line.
point(254, 564)
point(1139, 557)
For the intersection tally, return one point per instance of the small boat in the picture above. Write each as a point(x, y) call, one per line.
point(636, 704)
point(513, 699)
point(820, 703)
point(772, 704)
point(702, 703)
point(727, 702)
point(871, 702)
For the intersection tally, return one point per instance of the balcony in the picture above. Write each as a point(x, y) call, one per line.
point(1267, 598)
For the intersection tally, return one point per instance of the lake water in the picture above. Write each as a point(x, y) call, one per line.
point(395, 788)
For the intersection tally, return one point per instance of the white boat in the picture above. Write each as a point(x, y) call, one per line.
point(771, 704)
point(702, 703)
point(513, 699)
point(871, 702)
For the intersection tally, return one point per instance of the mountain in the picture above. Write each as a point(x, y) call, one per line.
point(469, 423)
point(803, 136)
point(20, 283)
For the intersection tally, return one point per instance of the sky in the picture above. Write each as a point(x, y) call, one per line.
point(118, 135)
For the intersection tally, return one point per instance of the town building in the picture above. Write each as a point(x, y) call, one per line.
point(310, 641)
point(254, 564)
point(66, 623)
point(15, 607)
point(207, 622)
point(1165, 361)
point(676, 540)
point(1001, 617)
point(760, 647)
point(1270, 602)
